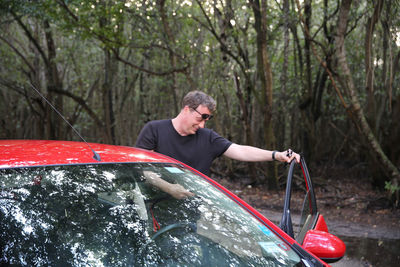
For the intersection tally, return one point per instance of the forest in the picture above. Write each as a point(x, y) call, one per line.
point(321, 77)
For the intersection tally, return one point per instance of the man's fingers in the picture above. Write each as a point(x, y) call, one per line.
point(180, 192)
point(296, 156)
point(190, 194)
point(290, 155)
point(185, 194)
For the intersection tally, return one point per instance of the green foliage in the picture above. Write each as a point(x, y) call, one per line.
point(155, 67)
point(391, 187)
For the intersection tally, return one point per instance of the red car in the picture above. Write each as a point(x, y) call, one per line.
point(73, 204)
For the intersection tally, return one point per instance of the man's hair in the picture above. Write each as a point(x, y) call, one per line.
point(194, 99)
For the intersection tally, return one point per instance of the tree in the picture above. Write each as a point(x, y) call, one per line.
point(265, 75)
point(110, 66)
point(347, 80)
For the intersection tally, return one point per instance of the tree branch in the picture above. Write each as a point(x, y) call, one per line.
point(30, 37)
point(81, 102)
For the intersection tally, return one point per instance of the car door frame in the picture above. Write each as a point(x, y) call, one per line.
point(286, 223)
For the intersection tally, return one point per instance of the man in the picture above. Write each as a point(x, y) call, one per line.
point(186, 139)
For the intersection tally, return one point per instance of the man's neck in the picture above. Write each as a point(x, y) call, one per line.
point(176, 123)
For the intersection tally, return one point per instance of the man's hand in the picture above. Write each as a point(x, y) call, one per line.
point(178, 191)
point(287, 156)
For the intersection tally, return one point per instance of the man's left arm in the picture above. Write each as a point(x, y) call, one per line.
point(175, 190)
point(250, 153)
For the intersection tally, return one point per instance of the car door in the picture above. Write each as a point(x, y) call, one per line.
point(301, 219)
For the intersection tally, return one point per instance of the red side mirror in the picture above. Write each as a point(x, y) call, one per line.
point(324, 245)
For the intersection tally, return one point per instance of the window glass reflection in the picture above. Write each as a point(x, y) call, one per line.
point(128, 214)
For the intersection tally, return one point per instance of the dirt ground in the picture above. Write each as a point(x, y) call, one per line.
point(351, 207)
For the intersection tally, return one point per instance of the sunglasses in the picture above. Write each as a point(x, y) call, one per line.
point(204, 116)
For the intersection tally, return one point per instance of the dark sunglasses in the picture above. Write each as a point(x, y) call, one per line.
point(204, 116)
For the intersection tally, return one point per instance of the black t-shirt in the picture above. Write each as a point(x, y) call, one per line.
point(196, 150)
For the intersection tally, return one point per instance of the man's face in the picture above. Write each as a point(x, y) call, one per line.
point(195, 120)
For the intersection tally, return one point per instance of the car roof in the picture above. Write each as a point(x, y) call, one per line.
point(24, 153)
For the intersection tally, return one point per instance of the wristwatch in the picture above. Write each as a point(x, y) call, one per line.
point(273, 154)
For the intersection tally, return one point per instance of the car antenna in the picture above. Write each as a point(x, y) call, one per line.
point(95, 155)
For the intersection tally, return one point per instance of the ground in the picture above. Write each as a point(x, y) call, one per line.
point(360, 214)
point(351, 206)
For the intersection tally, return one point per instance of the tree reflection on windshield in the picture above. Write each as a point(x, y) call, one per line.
point(114, 215)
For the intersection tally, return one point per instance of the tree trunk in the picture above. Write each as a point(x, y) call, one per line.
point(284, 76)
point(265, 76)
point(110, 71)
point(244, 106)
point(346, 76)
point(172, 56)
point(55, 130)
point(369, 66)
point(308, 135)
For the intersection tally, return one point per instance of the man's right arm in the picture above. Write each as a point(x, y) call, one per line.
point(147, 138)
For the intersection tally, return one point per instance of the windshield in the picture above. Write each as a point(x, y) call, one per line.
point(128, 214)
